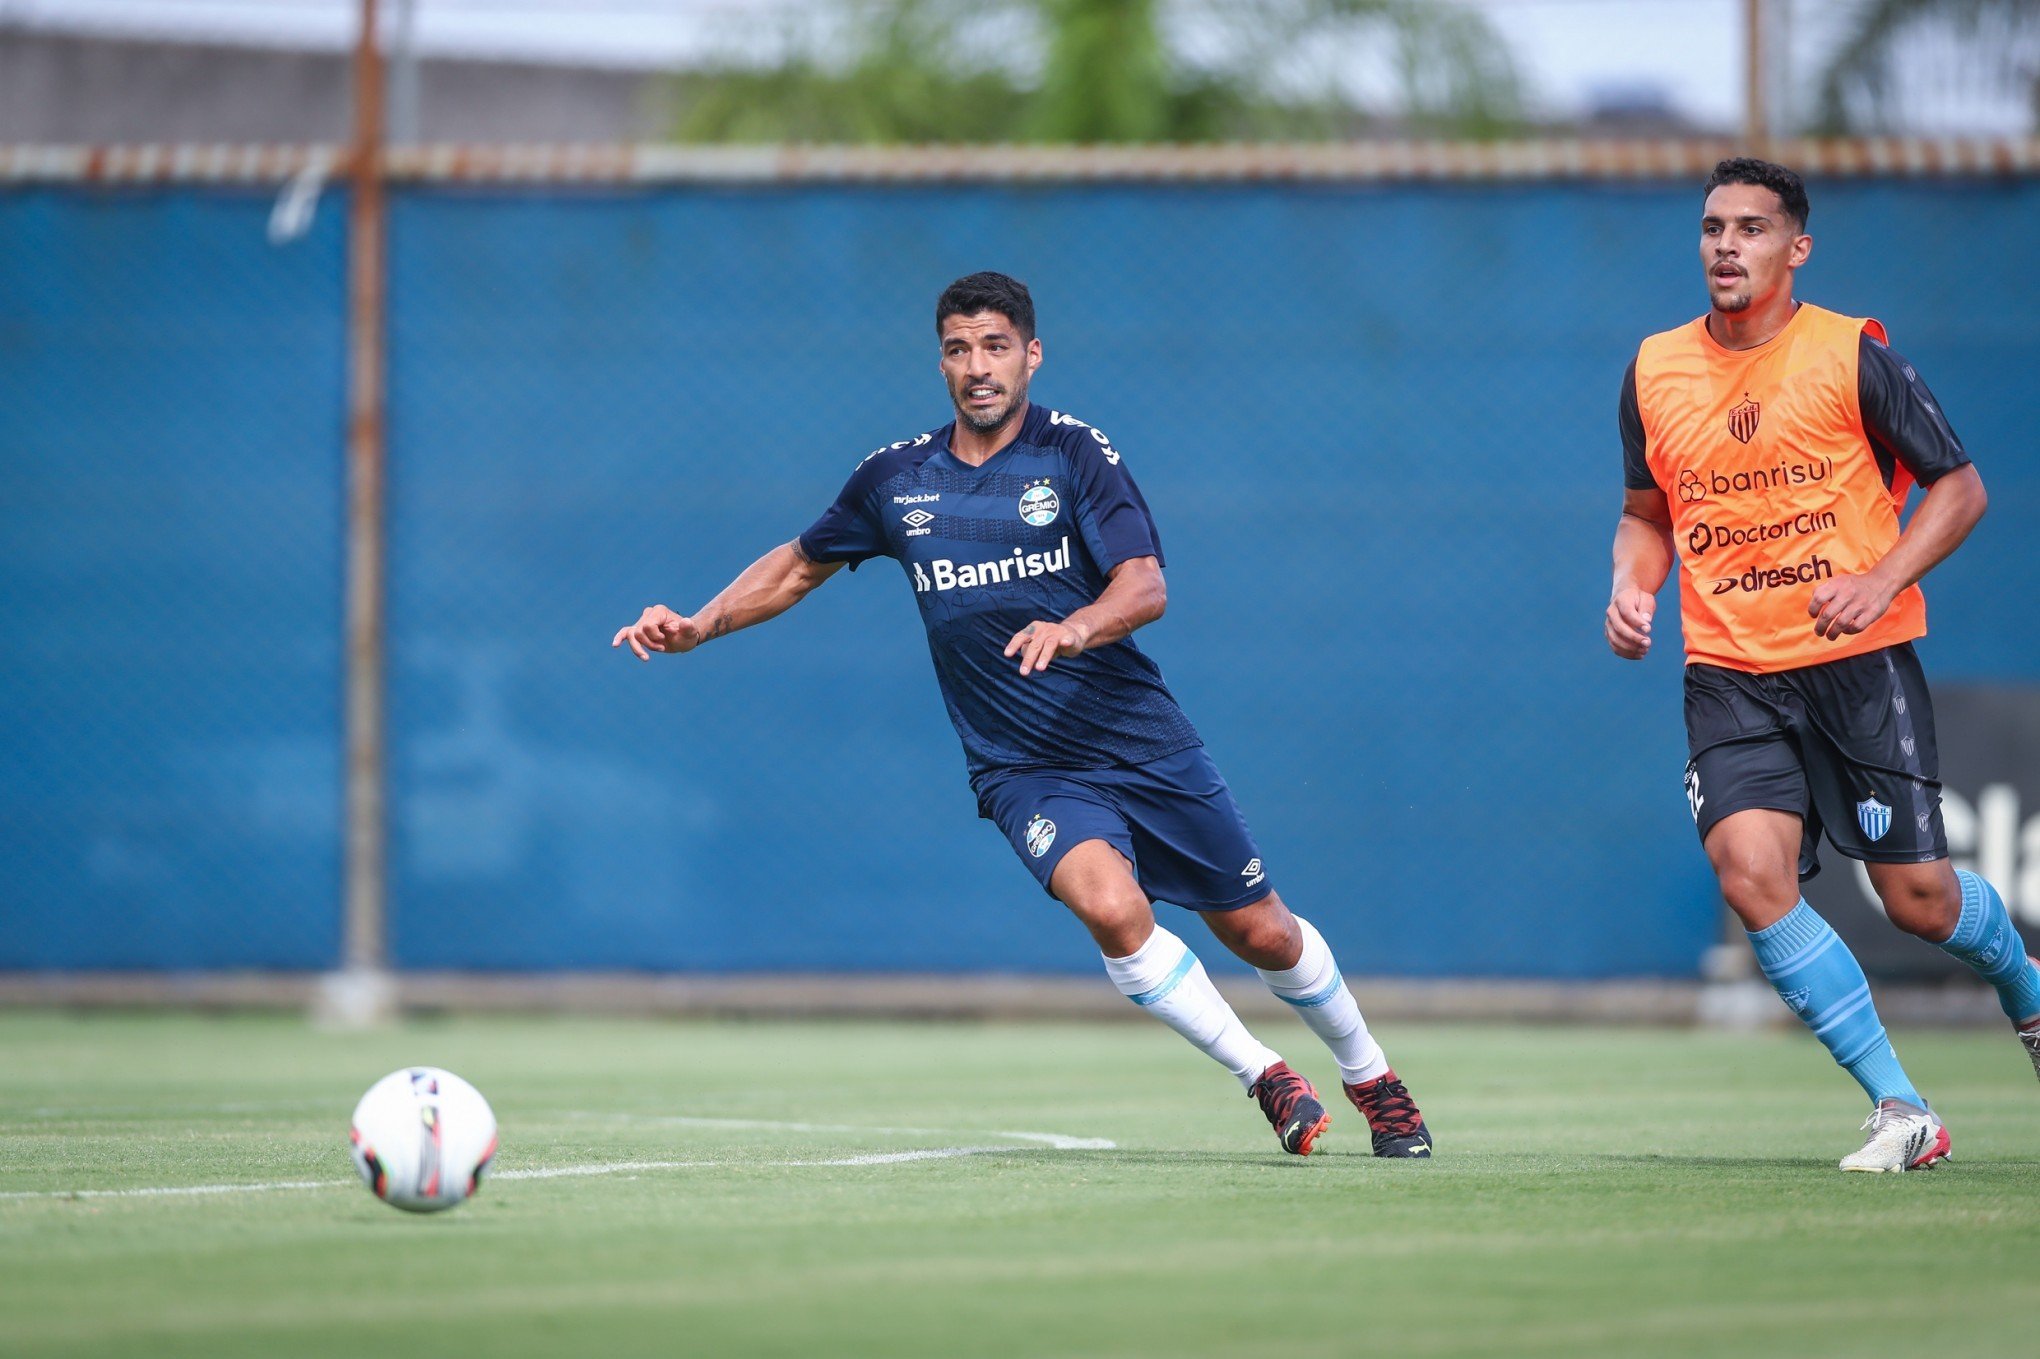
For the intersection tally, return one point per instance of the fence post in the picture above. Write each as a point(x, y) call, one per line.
point(1756, 77)
point(363, 992)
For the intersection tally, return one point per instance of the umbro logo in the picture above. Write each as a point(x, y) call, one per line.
point(1253, 873)
point(917, 518)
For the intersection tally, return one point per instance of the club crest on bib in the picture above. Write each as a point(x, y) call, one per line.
point(1040, 835)
point(1039, 505)
point(1742, 421)
point(1874, 817)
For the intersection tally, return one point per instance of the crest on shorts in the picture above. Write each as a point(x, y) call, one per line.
point(1040, 835)
point(1874, 817)
point(1742, 421)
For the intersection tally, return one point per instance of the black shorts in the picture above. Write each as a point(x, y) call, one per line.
point(1847, 746)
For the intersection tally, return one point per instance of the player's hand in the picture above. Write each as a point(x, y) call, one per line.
point(1843, 604)
point(660, 629)
point(1628, 623)
point(1039, 643)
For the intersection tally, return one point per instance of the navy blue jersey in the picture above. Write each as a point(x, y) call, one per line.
point(1031, 534)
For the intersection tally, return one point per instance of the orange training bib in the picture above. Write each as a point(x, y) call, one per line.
point(1773, 488)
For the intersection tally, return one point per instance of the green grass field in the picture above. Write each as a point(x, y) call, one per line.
point(1597, 1192)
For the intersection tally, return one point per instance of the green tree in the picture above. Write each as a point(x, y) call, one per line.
point(1107, 76)
point(1999, 45)
point(1103, 71)
point(904, 71)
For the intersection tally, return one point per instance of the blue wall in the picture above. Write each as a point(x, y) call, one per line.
point(171, 395)
point(1376, 426)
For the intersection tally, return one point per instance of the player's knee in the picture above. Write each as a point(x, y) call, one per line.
point(1274, 932)
point(1263, 933)
point(1111, 905)
point(1119, 924)
point(1758, 894)
point(1926, 907)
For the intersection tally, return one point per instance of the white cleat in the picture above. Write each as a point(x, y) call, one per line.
point(1902, 1137)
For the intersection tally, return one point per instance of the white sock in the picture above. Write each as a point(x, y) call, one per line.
point(1318, 993)
point(1164, 978)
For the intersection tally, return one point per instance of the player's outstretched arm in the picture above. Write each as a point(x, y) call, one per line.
point(1135, 595)
point(1643, 559)
point(1951, 508)
point(768, 587)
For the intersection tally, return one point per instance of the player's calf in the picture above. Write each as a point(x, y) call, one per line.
point(1973, 927)
point(1164, 978)
point(1985, 940)
point(1817, 977)
point(1315, 989)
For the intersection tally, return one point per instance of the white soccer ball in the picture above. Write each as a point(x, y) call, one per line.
point(422, 1138)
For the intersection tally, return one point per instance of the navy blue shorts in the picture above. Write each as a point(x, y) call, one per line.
point(1173, 818)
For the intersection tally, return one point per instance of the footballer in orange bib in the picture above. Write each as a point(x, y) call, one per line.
point(1769, 448)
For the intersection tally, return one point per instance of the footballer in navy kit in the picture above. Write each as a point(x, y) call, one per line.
point(1034, 559)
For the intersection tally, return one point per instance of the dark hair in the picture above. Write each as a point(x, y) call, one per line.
point(1791, 190)
point(987, 291)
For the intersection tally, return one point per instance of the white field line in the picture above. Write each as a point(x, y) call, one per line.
point(1060, 1141)
point(173, 1191)
point(1057, 1141)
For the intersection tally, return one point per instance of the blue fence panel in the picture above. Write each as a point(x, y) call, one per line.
point(170, 515)
point(1376, 426)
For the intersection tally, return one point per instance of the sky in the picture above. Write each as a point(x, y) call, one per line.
point(1576, 53)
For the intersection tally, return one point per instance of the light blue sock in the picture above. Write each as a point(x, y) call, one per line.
point(1986, 940)
point(1816, 975)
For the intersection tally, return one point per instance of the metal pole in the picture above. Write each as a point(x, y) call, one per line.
point(1782, 109)
point(1756, 121)
point(362, 992)
point(403, 128)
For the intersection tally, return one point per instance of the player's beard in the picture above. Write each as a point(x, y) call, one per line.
point(1736, 297)
point(990, 421)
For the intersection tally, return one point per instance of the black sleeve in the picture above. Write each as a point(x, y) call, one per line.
point(1903, 421)
point(1635, 470)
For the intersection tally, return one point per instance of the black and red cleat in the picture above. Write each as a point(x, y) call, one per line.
point(1292, 1107)
point(1394, 1118)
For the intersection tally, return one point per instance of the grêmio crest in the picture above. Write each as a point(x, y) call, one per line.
point(1742, 421)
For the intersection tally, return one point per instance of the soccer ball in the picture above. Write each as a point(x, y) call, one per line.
point(422, 1138)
